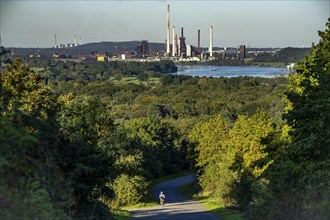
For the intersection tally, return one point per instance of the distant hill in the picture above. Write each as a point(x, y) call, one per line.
point(288, 54)
point(85, 49)
point(118, 47)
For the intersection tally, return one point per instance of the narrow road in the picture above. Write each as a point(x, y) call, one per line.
point(176, 207)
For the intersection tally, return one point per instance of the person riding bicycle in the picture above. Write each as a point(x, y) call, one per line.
point(162, 198)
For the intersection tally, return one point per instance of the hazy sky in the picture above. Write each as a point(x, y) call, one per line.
point(264, 23)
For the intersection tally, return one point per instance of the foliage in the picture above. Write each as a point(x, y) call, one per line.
point(53, 143)
point(101, 71)
point(85, 124)
point(249, 139)
point(211, 138)
point(230, 158)
point(29, 140)
point(158, 142)
point(296, 185)
point(288, 54)
point(129, 190)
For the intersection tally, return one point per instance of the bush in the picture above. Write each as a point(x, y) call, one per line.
point(129, 190)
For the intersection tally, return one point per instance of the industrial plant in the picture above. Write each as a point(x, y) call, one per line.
point(67, 45)
point(175, 48)
point(182, 51)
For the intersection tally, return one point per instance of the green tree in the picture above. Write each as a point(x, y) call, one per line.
point(309, 116)
point(231, 159)
point(129, 190)
point(248, 139)
point(309, 104)
point(158, 141)
point(298, 180)
point(213, 156)
point(143, 76)
point(29, 138)
point(166, 79)
point(89, 156)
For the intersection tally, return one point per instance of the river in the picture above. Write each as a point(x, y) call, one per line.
point(231, 71)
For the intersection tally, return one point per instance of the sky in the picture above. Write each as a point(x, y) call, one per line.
point(258, 23)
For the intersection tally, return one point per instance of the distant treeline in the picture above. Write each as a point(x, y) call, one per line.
point(288, 54)
point(66, 71)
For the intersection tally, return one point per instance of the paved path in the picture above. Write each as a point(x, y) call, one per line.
point(176, 207)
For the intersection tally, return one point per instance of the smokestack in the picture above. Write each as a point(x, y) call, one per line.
point(55, 41)
point(199, 39)
point(75, 40)
point(182, 44)
point(174, 43)
point(168, 31)
point(211, 41)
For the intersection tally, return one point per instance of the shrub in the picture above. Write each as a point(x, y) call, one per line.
point(129, 190)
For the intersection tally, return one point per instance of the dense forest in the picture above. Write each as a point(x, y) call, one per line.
point(79, 139)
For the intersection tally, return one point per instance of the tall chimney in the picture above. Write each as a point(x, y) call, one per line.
point(211, 41)
point(174, 43)
point(168, 31)
point(182, 44)
point(199, 39)
point(75, 40)
point(55, 41)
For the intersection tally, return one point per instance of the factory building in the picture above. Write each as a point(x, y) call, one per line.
point(188, 51)
point(242, 52)
point(101, 57)
point(182, 44)
point(179, 48)
point(68, 45)
point(143, 48)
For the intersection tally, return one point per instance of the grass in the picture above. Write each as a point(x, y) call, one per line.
point(133, 80)
point(192, 191)
point(150, 202)
point(121, 214)
point(37, 69)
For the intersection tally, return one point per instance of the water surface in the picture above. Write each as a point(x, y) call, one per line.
point(231, 71)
